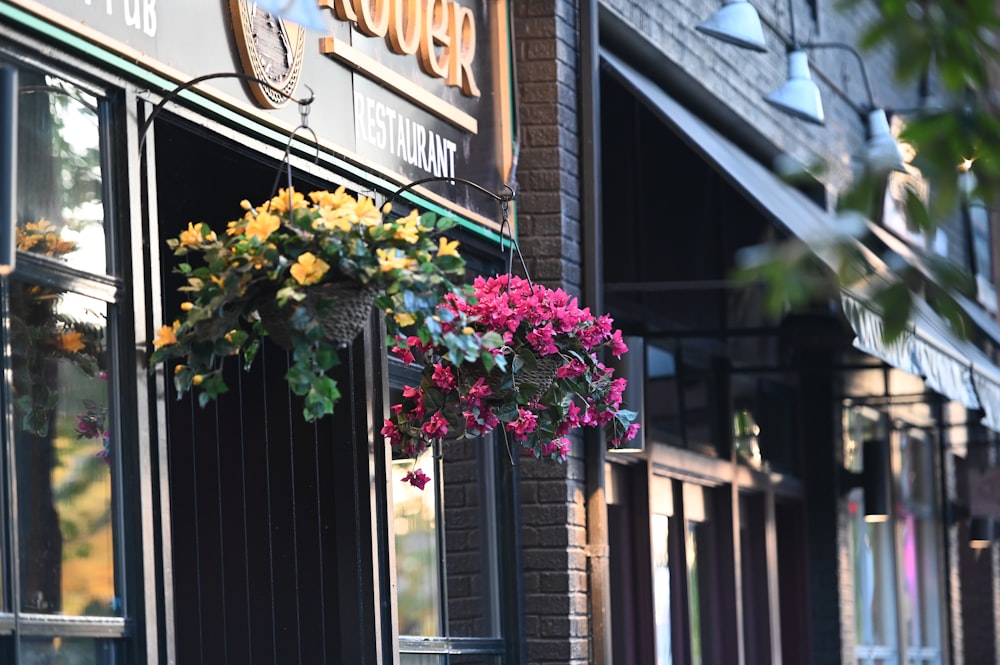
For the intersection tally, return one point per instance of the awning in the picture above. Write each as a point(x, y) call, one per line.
point(927, 348)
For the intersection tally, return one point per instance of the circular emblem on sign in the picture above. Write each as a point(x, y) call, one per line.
point(270, 49)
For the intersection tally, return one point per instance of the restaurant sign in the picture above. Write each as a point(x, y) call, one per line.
point(409, 89)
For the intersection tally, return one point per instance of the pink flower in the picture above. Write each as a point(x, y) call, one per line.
point(417, 478)
point(618, 346)
point(403, 353)
point(391, 432)
point(559, 447)
point(443, 378)
point(479, 389)
point(572, 369)
point(436, 426)
point(524, 425)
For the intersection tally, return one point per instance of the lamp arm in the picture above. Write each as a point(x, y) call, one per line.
point(857, 56)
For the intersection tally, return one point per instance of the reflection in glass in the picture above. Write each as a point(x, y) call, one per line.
point(694, 590)
point(417, 555)
point(469, 540)
point(919, 545)
point(661, 588)
point(60, 209)
point(874, 577)
point(67, 651)
point(62, 444)
point(421, 659)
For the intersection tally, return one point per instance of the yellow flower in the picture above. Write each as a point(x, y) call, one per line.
point(26, 242)
point(447, 248)
point(197, 379)
point(262, 226)
point(192, 236)
point(280, 202)
point(339, 219)
point(58, 247)
point(367, 213)
point(404, 319)
point(71, 342)
point(409, 228)
point(178, 368)
point(392, 259)
point(309, 269)
point(187, 306)
point(166, 335)
point(236, 227)
point(467, 330)
point(337, 199)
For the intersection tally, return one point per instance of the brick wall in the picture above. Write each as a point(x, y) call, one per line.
point(553, 512)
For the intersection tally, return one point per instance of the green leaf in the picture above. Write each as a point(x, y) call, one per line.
point(895, 302)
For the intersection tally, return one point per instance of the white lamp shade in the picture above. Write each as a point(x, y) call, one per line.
point(798, 96)
point(882, 153)
point(736, 22)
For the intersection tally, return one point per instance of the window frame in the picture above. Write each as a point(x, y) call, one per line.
point(506, 647)
point(133, 633)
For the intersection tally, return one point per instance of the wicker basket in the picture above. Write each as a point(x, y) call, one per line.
point(349, 305)
point(541, 376)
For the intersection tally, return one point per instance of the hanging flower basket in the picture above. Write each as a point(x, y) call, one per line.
point(542, 379)
point(305, 272)
point(341, 309)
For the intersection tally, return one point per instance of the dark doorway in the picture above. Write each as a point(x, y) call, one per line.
point(271, 550)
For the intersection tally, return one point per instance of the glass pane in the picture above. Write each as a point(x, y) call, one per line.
point(874, 577)
point(67, 651)
point(693, 542)
point(661, 588)
point(418, 583)
point(470, 539)
point(60, 208)
point(421, 659)
point(60, 391)
point(920, 546)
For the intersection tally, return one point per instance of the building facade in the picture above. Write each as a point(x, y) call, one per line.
point(803, 493)
point(702, 548)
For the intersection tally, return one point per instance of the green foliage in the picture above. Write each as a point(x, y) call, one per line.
point(277, 272)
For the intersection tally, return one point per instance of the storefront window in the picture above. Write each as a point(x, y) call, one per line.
point(661, 587)
point(63, 599)
point(895, 561)
point(699, 552)
point(446, 551)
point(62, 447)
point(662, 515)
point(919, 538)
point(60, 203)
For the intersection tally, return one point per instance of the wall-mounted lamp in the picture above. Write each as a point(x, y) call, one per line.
point(8, 169)
point(982, 529)
point(632, 366)
point(873, 480)
point(736, 22)
point(799, 96)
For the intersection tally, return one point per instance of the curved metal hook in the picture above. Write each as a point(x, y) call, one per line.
point(287, 156)
point(504, 201)
point(499, 198)
point(303, 103)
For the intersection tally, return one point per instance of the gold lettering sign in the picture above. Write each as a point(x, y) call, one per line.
point(441, 33)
